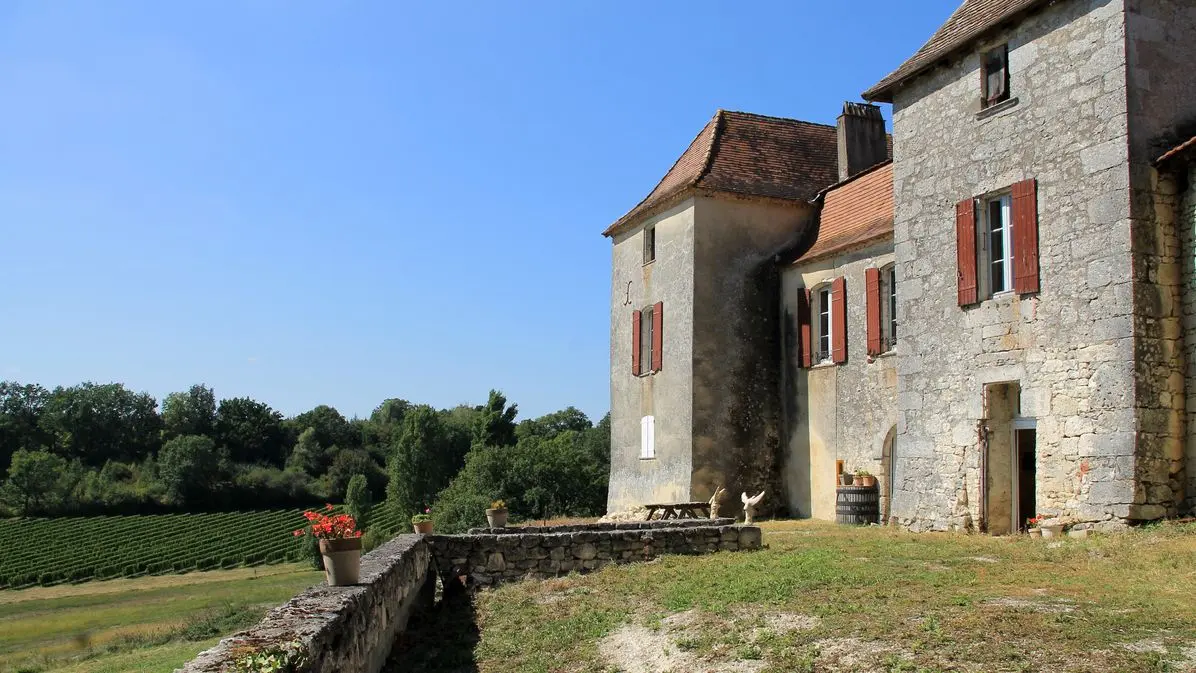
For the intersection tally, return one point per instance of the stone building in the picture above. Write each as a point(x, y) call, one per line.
point(1036, 260)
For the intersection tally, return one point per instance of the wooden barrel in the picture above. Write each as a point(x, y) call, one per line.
point(857, 505)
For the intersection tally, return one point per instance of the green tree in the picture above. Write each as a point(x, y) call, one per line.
point(190, 469)
point(189, 413)
point(251, 431)
point(352, 462)
point(548, 425)
point(308, 455)
point(423, 461)
point(358, 500)
point(21, 408)
point(495, 424)
point(97, 423)
point(33, 481)
point(331, 428)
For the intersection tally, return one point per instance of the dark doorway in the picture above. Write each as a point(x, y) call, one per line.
point(1026, 476)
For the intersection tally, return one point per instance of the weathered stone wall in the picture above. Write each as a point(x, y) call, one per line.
point(1070, 348)
point(835, 412)
point(668, 394)
point(1161, 102)
point(736, 405)
point(492, 559)
point(343, 629)
point(1188, 236)
point(609, 526)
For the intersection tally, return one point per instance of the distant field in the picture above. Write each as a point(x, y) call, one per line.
point(137, 625)
point(53, 551)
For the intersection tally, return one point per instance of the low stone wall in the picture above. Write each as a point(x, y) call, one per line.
point(343, 629)
point(620, 525)
point(515, 554)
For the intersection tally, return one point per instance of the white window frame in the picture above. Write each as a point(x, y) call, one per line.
point(984, 249)
point(888, 308)
point(647, 317)
point(822, 304)
point(647, 437)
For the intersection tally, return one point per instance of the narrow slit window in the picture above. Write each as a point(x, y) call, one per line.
point(645, 344)
point(649, 245)
point(824, 325)
point(995, 76)
point(648, 437)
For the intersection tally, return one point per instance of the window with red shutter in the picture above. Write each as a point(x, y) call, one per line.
point(635, 343)
point(804, 333)
point(657, 335)
point(872, 304)
point(1025, 237)
point(839, 320)
point(965, 251)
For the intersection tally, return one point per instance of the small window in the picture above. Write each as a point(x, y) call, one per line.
point(648, 437)
point(645, 344)
point(649, 245)
point(994, 74)
point(888, 308)
point(822, 324)
point(994, 250)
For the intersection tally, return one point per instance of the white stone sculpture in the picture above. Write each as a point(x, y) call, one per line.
point(749, 505)
point(714, 501)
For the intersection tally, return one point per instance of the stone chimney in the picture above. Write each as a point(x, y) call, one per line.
point(862, 139)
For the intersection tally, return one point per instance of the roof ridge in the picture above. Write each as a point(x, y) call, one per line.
point(784, 119)
point(715, 133)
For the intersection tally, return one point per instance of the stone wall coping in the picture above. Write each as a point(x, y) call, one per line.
point(605, 526)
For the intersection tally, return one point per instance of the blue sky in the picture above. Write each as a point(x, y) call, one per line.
point(339, 202)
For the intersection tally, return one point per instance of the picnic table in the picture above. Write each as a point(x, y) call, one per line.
point(680, 510)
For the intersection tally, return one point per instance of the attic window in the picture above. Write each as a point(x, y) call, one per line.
point(649, 245)
point(994, 74)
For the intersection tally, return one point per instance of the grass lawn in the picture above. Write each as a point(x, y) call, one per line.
point(825, 598)
point(145, 624)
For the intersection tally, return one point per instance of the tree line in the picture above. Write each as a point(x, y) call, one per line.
point(105, 449)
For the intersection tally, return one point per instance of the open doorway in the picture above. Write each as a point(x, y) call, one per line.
point(1025, 472)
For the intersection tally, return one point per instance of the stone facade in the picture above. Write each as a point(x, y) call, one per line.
point(1095, 358)
point(343, 629)
point(714, 403)
point(1187, 223)
point(489, 559)
point(836, 411)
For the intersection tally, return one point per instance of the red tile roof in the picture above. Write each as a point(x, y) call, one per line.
point(973, 19)
point(854, 211)
point(747, 154)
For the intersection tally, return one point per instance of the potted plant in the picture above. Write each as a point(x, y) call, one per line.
point(423, 522)
point(845, 478)
point(1033, 528)
point(340, 545)
point(864, 478)
point(496, 516)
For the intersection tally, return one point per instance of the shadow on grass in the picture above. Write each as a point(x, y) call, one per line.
point(441, 640)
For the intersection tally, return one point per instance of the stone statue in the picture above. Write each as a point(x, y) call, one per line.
point(714, 501)
point(749, 505)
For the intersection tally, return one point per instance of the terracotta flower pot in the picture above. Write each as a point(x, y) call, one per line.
point(423, 527)
point(866, 481)
point(342, 561)
point(497, 518)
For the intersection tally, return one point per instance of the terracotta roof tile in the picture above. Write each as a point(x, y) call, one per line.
point(854, 211)
point(970, 21)
point(751, 155)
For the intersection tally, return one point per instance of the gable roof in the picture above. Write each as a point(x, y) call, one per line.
point(970, 21)
point(854, 211)
point(751, 155)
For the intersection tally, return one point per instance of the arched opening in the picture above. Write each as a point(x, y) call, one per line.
point(888, 472)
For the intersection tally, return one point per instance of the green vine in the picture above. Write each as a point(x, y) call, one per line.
point(285, 657)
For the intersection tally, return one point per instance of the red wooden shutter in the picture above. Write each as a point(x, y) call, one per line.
point(839, 320)
point(965, 250)
point(657, 335)
point(635, 343)
point(872, 304)
point(1025, 236)
point(804, 333)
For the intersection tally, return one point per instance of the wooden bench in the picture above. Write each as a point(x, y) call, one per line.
point(680, 510)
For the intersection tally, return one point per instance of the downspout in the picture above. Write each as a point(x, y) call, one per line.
point(982, 433)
